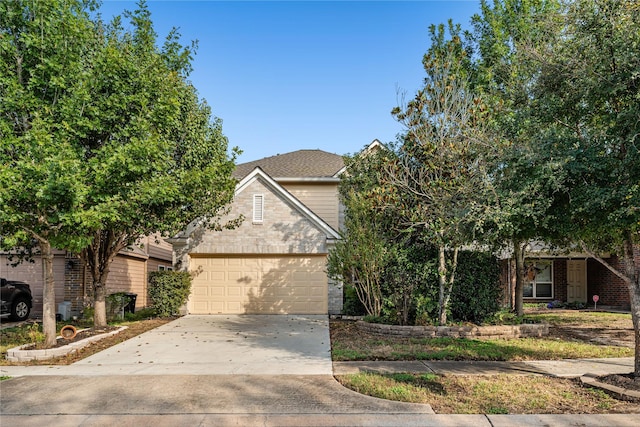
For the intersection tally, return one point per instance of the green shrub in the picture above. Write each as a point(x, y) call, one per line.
point(352, 304)
point(168, 291)
point(116, 302)
point(144, 313)
point(426, 310)
point(477, 291)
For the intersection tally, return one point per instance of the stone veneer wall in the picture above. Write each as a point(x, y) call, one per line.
point(74, 286)
point(335, 297)
point(479, 332)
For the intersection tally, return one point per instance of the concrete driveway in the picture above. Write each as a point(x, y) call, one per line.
point(221, 345)
point(202, 370)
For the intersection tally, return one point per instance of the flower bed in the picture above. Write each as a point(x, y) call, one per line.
point(471, 331)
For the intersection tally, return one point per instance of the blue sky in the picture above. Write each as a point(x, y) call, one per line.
point(289, 75)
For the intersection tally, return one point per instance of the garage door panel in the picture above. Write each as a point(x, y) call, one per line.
point(259, 284)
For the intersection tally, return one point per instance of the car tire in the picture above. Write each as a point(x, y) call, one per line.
point(20, 309)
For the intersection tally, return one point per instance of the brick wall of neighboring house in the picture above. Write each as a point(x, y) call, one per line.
point(609, 287)
point(75, 284)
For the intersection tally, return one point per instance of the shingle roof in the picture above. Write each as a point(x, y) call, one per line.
point(297, 164)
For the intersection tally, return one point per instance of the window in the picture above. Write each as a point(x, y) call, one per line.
point(165, 268)
point(539, 280)
point(258, 208)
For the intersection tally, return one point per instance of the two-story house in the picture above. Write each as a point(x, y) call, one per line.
point(275, 261)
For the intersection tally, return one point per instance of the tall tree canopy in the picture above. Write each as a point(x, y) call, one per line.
point(440, 158)
point(588, 96)
point(504, 34)
point(130, 150)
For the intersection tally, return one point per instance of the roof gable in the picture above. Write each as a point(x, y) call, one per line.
point(271, 184)
point(297, 164)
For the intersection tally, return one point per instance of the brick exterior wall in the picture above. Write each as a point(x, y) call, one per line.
point(602, 282)
point(610, 288)
point(336, 297)
point(283, 231)
point(560, 279)
point(74, 286)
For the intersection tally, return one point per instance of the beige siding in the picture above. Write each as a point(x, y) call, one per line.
point(321, 198)
point(129, 274)
point(33, 274)
point(259, 285)
point(157, 249)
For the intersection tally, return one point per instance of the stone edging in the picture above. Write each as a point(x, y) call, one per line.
point(617, 392)
point(473, 331)
point(17, 354)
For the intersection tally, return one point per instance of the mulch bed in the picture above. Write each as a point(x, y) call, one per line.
point(628, 381)
point(60, 342)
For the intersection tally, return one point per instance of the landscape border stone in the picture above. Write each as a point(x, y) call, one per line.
point(19, 354)
point(618, 392)
point(527, 330)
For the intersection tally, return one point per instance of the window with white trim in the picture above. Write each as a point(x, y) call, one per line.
point(539, 280)
point(165, 268)
point(258, 208)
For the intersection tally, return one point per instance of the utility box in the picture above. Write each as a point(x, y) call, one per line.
point(64, 310)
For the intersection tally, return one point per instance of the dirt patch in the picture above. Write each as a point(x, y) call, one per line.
point(570, 325)
point(628, 382)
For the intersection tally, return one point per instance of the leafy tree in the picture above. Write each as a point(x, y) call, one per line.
point(360, 257)
point(41, 46)
point(155, 160)
point(440, 163)
point(148, 158)
point(524, 183)
point(587, 96)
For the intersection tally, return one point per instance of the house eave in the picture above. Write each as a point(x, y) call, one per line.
point(327, 180)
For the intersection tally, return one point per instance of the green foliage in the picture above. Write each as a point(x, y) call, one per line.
point(103, 137)
point(142, 314)
point(352, 304)
point(35, 333)
point(503, 317)
point(426, 308)
point(169, 290)
point(116, 302)
point(478, 293)
point(360, 256)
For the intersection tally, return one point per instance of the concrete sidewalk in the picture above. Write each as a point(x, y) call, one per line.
point(566, 368)
point(237, 400)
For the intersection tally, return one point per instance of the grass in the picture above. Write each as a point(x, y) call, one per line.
point(350, 343)
point(498, 394)
point(467, 349)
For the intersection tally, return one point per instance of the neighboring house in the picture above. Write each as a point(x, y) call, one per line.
point(128, 273)
point(567, 277)
point(275, 261)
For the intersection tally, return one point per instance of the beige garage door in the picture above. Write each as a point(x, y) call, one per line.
point(259, 285)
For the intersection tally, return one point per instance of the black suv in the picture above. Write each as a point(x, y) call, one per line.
point(16, 299)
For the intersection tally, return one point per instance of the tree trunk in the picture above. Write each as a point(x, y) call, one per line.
point(442, 282)
point(518, 254)
point(99, 305)
point(49, 296)
point(446, 277)
point(632, 271)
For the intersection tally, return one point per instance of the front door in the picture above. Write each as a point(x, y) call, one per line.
point(576, 280)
